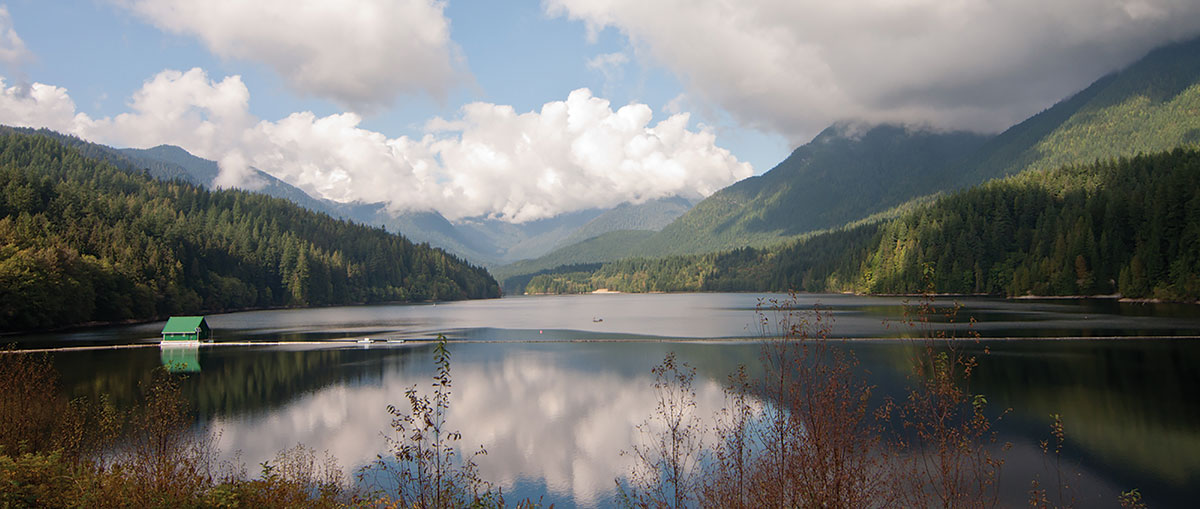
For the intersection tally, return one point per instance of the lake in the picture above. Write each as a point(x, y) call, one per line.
point(553, 387)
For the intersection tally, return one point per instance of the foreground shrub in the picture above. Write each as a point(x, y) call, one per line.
point(808, 432)
point(425, 468)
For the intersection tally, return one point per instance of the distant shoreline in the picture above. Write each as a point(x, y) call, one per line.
point(1112, 297)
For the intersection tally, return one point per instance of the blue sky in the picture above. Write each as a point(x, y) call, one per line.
point(421, 103)
point(518, 55)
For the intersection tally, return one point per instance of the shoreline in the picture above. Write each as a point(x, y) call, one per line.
point(1112, 297)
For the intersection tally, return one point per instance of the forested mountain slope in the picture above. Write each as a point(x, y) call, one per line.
point(1151, 106)
point(846, 173)
point(483, 241)
point(842, 176)
point(83, 241)
point(1128, 226)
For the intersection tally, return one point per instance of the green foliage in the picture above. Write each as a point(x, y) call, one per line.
point(1129, 226)
point(1147, 107)
point(82, 241)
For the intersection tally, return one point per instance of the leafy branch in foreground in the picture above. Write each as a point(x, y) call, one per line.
point(668, 463)
point(425, 468)
point(947, 452)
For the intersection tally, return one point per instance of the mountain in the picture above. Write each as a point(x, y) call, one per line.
point(651, 215)
point(513, 241)
point(1149, 106)
point(606, 237)
point(605, 247)
point(846, 173)
point(1129, 226)
point(484, 241)
point(201, 171)
point(487, 242)
point(160, 170)
point(204, 172)
point(82, 240)
point(852, 173)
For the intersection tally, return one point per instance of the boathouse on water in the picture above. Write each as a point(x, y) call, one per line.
point(186, 329)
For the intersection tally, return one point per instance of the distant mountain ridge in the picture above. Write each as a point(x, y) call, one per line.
point(652, 215)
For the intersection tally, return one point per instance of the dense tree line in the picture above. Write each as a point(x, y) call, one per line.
point(83, 241)
point(1128, 226)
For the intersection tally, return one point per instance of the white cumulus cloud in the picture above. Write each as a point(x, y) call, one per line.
point(796, 66)
point(41, 105)
point(489, 161)
point(359, 53)
point(577, 154)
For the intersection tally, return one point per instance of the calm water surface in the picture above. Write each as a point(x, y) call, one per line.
point(553, 387)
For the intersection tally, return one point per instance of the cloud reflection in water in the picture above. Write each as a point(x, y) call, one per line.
point(541, 417)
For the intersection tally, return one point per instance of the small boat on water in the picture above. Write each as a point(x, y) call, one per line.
point(395, 341)
point(597, 320)
point(366, 341)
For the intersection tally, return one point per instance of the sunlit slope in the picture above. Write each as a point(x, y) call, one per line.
point(1150, 106)
point(846, 173)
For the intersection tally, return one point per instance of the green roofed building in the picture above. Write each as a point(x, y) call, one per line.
point(186, 328)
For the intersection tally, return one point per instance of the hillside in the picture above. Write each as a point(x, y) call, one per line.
point(82, 241)
point(653, 215)
point(483, 241)
point(843, 175)
point(1130, 226)
point(1150, 106)
point(605, 247)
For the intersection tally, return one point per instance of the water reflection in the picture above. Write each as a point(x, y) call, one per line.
point(555, 415)
point(180, 358)
point(553, 418)
point(1131, 405)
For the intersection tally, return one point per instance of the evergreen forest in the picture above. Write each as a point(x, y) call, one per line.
point(82, 241)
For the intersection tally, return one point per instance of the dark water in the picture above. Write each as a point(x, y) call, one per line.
point(554, 407)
